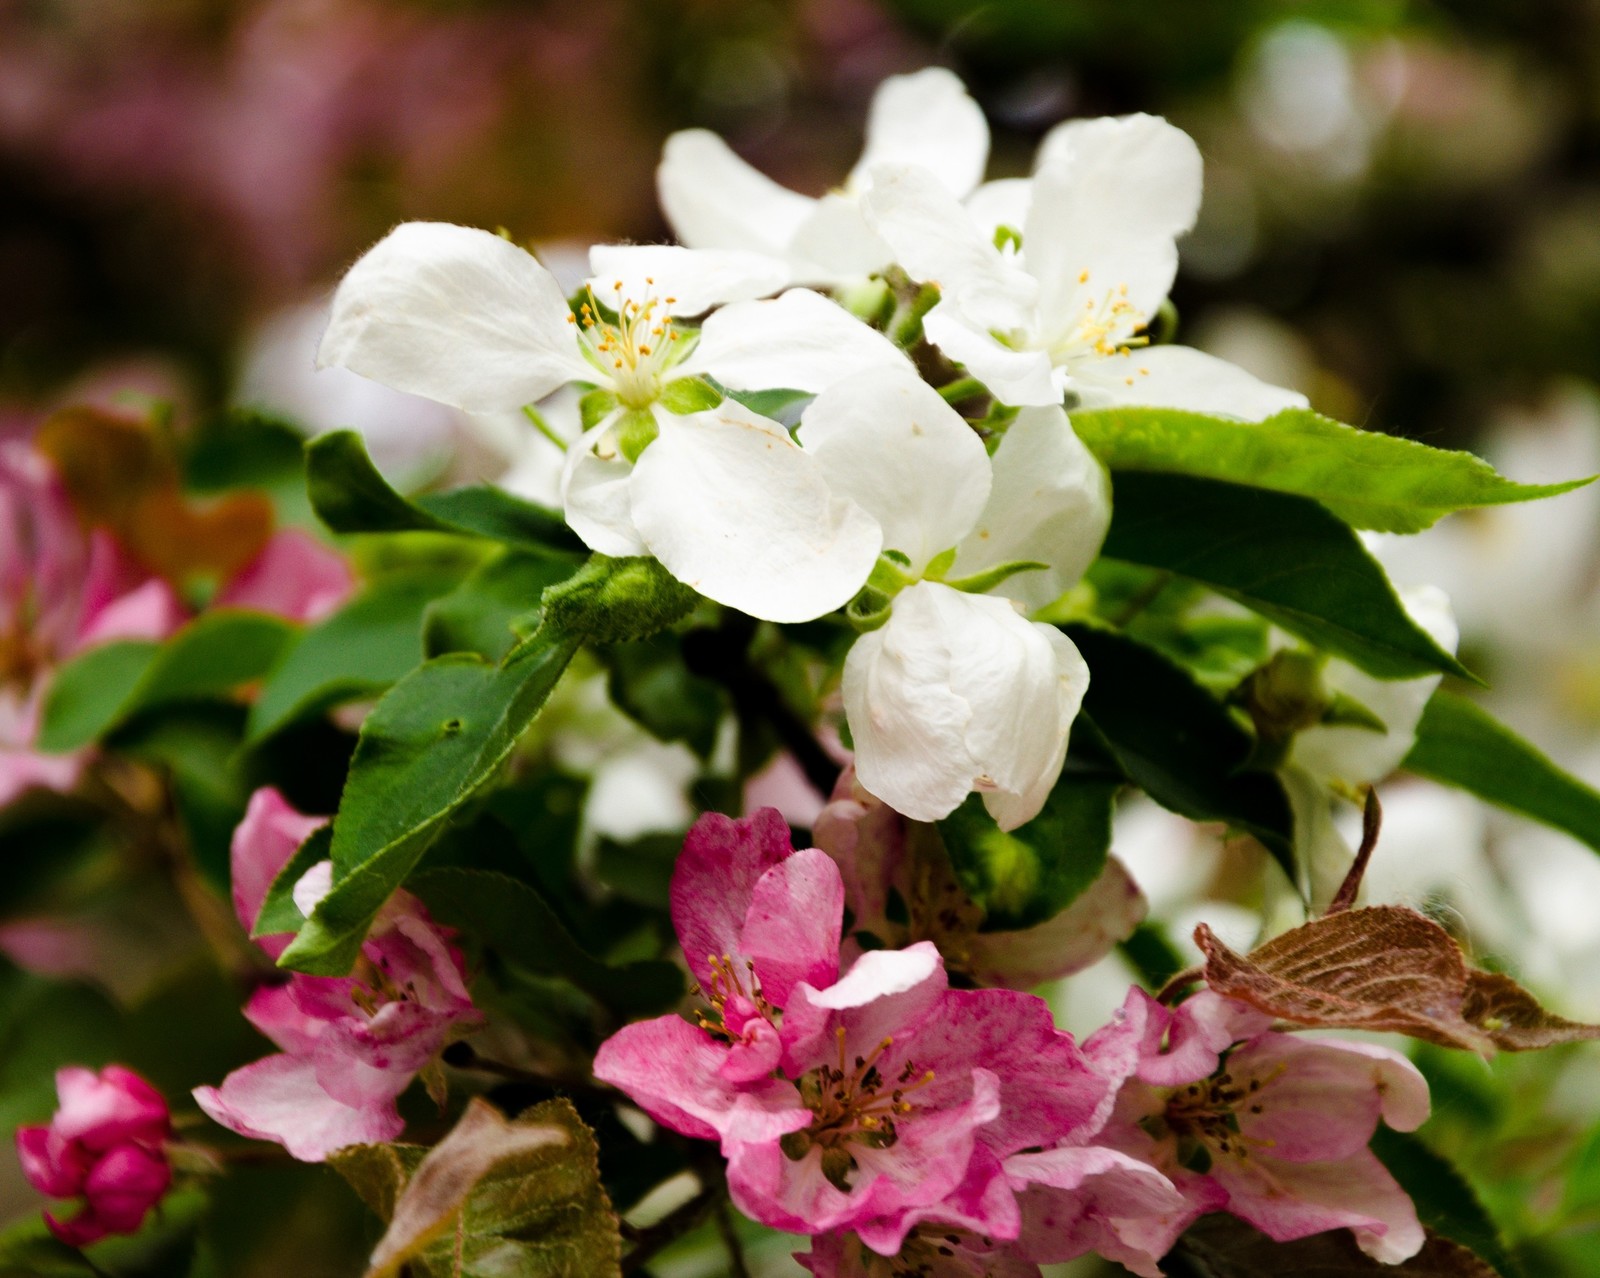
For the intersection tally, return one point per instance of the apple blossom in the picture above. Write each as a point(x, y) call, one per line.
point(957, 691)
point(350, 1044)
point(294, 576)
point(714, 200)
point(722, 496)
point(1061, 316)
point(852, 1103)
point(105, 1144)
point(1265, 1125)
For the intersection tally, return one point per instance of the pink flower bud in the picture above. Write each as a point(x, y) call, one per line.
point(105, 1144)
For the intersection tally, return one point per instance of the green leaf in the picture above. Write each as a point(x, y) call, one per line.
point(781, 406)
point(1367, 479)
point(651, 682)
point(357, 652)
point(209, 657)
point(278, 911)
point(27, 1250)
point(1461, 744)
point(477, 616)
point(1282, 556)
point(1445, 1202)
point(437, 737)
point(1175, 741)
point(87, 692)
point(517, 1199)
point(1033, 872)
point(349, 495)
point(512, 919)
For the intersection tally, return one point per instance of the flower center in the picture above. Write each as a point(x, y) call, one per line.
point(1107, 325)
point(1204, 1117)
point(632, 351)
point(854, 1103)
point(731, 999)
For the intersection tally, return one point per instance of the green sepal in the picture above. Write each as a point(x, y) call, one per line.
point(595, 406)
point(980, 583)
point(686, 395)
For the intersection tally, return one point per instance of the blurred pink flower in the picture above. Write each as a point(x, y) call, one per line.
point(61, 590)
point(295, 576)
point(350, 1045)
point(105, 1145)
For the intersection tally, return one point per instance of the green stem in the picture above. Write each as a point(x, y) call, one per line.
point(963, 388)
point(542, 425)
point(737, 1268)
point(674, 1225)
point(1143, 599)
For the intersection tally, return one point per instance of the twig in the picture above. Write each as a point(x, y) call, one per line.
point(1371, 824)
point(737, 1268)
point(671, 1227)
point(1146, 596)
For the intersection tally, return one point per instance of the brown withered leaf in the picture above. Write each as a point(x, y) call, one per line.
point(1385, 967)
point(121, 476)
point(1221, 1246)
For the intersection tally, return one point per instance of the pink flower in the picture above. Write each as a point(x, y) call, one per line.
point(106, 1145)
point(1268, 1126)
point(840, 1104)
point(895, 866)
point(350, 1045)
point(294, 576)
point(61, 590)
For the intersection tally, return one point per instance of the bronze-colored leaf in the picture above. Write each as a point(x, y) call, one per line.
point(512, 1198)
point(1388, 968)
point(121, 476)
point(1221, 1246)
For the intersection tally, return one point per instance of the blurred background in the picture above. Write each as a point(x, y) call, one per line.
point(1402, 219)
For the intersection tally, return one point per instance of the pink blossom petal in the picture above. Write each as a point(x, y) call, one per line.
point(262, 844)
point(274, 1010)
point(791, 932)
point(107, 1109)
point(672, 1070)
point(150, 612)
point(370, 1063)
point(716, 875)
point(294, 576)
point(755, 1055)
point(885, 994)
point(22, 770)
point(1319, 1100)
point(125, 1185)
point(1078, 1200)
point(1293, 1200)
point(278, 1099)
point(982, 1203)
point(52, 1165)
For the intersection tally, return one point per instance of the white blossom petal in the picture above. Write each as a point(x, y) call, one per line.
point(596, 498)
point(937, 241)
point(799, 341)
point(835, 245)
point(1012, 376)
point(714, 200)
point(1110, 197)
point(734, 508)
point(456, 315)
point(928, 119)
point(1179, 377)
point(957, 692)
point(686, 281)
point(1051, 502)
point(1003, 202)
point(888, 441)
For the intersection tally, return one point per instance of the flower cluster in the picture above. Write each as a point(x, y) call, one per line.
point(349, 1045)
point(106, 1144)
point(912, 1127)
point(940, 536)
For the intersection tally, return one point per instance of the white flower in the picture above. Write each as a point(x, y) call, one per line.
point(957, 691)
point(1063, 316)
point(724, 498)
point(714, 200)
